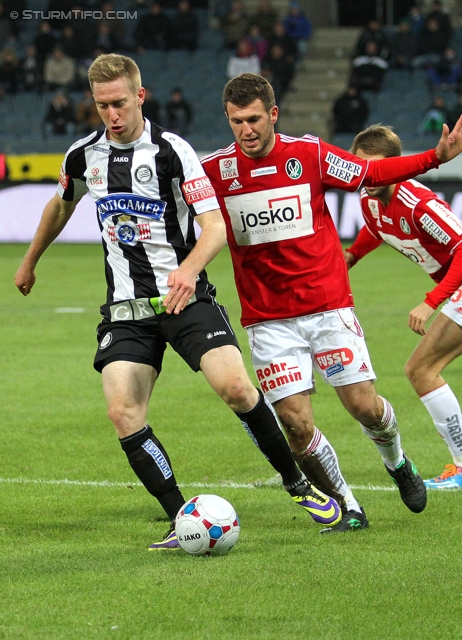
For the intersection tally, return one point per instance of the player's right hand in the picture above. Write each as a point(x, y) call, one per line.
point(24, 279)
point(349, 258)
point(419, 316)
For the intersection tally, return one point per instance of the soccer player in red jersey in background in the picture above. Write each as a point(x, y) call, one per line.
point(415, 221)
point(292, 278)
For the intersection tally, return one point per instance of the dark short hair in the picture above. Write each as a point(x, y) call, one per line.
point(246, 88)
point(377, 140)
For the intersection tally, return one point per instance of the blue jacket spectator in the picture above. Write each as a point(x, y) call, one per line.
point(298, 27)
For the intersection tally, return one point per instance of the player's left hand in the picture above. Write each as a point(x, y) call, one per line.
point(182, 283)
point(418, 317)
point(450, 144)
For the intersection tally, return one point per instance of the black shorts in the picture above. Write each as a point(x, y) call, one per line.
point(199, 328)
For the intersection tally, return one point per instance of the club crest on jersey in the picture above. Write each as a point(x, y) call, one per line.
point(228, 168)
point(405, 228)
point(294, 168)
point(374, 208)
point(143, 174)
point(127, 232)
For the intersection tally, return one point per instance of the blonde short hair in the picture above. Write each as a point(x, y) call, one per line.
point(112, 66)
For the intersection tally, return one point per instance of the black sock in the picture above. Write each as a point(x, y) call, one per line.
point(150, 462)
point(262, 426)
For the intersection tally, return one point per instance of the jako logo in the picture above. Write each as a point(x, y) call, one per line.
point(120, 159)
point(328, 358)
point(191, 536)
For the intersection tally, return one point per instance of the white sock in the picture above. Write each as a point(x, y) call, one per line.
point(386, 437)
point(444, 409)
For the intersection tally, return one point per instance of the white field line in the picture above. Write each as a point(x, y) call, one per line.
point(191, 485)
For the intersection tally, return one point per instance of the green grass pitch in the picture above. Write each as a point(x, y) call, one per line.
point(75, 524)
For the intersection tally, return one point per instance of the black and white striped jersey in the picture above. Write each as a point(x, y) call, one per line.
point(147, 193)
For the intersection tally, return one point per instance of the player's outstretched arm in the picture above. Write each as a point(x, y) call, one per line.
point(54, 218)
point(418, 317)
point(450, 144)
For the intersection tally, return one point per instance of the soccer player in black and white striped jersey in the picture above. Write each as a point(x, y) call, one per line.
point(149, 187)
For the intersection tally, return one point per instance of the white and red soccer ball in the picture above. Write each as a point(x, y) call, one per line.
point(207, 525)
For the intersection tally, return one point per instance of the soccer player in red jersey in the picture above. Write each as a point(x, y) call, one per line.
point(292, 278)
point(415, 221)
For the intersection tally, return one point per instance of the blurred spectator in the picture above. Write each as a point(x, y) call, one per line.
point(266, 17)
point(442, 18)
point(60, 119)
point(281, 37)
point(243, 61)
point(59, 70)
point(279, 71)
point(44, 42)
point(403, 46)
point(446, 74)
point(59, 5)
point(431, 42)
point(235, 25)
point(369, 70)
point(69, 43)
point(373, 31)
point(9, 70)
point(153, 30)
point(115, 25)
point(84, 30)
point(299, 28)
point(104, 38)
point(31, 77)
point(16, 24)
point(151, 107)
point(416, 19)
point(6, 31)
point(178, 112)
point(87, 117)
point(350, 111)
point(435, 116)
point(185, 27)
point(257, 42)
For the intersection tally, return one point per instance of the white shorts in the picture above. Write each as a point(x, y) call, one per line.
point(453, 307)
point(285, 352)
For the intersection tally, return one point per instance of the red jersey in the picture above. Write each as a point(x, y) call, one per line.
point(287, 257)
point(422, 227)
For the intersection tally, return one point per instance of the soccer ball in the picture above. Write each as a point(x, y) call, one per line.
point(207, 525)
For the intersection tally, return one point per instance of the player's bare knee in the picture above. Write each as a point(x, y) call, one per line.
point(367, 413)
point(240, 395)
point(413, 372)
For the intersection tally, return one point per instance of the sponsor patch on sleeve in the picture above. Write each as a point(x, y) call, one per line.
point(198, 189)
point(63, 178)
point(342, 169)
point(447, 215)
point(434, 229)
